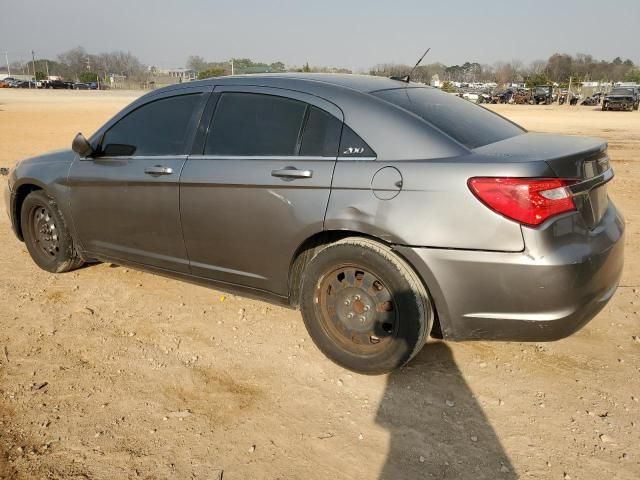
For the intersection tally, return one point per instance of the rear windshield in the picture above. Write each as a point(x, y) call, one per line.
point(465, 122)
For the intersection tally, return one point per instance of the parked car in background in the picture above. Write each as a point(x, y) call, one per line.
point(385, 210)
point(502, 97)
point(622, 98)
point(57, 84)
point(543, 94)
point(471, 96)
point(81, 86)
point(25, 84)
point(594, 99)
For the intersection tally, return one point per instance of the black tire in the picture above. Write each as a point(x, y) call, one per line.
point(390, 312)
point(604, 107)
point(46, 234)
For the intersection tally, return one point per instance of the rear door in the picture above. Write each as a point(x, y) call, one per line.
point(125, 199)
point(258, 184)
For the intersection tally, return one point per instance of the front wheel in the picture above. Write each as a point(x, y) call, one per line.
point(364, 307)
point(46, 235)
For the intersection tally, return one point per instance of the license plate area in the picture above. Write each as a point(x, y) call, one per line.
point(590, 195)
point(599, 200)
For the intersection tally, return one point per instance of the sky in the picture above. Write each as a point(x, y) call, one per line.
point(355, 34)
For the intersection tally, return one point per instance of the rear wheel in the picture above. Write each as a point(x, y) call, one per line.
point(46, 235)
point(364, 307)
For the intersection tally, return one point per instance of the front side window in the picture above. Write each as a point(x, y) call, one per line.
point(250, 124)
point(161, 127)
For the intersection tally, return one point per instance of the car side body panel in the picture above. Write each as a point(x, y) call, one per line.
point(433, 207)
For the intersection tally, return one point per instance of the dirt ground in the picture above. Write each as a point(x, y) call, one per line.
point(110, 373)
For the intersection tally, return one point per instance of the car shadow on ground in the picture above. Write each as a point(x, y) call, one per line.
point(437, 428)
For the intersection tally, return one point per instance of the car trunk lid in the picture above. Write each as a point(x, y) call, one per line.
point(581, 159)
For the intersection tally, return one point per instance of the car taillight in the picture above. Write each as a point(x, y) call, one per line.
point(529, 201)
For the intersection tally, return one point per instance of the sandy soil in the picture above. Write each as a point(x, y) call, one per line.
point(108, 373)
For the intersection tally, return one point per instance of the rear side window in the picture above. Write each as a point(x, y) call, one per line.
point(321, 136)
point(255, 124)
point(468, 124)
point(161, 127)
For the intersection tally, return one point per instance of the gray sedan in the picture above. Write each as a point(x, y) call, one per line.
point(386, 211)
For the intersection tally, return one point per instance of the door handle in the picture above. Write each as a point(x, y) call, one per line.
point(158, 170)
point(291, 173)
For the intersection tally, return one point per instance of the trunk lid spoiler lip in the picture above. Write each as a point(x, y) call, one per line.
point(584, 187)
point(547, 147)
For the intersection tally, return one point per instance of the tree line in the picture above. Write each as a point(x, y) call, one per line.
point(79, 65)
point(559, 67)
point(207, 69)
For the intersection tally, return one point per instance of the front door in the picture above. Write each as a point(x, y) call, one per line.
point(260, 186)
point(125, 199)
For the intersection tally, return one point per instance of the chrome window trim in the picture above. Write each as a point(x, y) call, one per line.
point(138, 157)
point(275, 157)
point(370, 159)
point(259, 157)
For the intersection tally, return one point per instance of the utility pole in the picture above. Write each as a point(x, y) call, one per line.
point(46, 62)
point(33, 62)
point(6, 57)
point(231, 62)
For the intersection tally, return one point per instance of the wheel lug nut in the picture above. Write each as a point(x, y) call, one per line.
point(347, 302)
point(357, 297)
point(362, 319)
point(367, 308)
point(350, 315)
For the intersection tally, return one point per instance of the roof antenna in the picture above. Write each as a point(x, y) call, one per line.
point(407, 78)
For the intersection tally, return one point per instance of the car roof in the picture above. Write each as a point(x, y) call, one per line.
point(360, 83)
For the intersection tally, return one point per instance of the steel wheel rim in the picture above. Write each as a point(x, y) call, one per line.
point(357, 310)
point(44, 232)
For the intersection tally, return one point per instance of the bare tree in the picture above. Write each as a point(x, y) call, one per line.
point(537, 67)
point(197, 63)
point(73, 62)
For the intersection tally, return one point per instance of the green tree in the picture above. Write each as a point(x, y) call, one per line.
point(537, 79)
point(448, 87)
point(277, 67)
point(633, 75)
point(306, 68)
point(88, 77)
point(211, 72)
point(40, 76)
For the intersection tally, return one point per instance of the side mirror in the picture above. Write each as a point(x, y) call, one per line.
point(81, 146)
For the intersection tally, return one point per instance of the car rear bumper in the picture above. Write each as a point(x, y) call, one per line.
point(565, 276)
